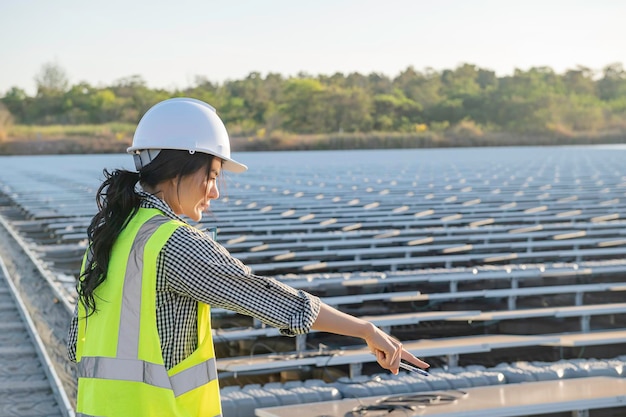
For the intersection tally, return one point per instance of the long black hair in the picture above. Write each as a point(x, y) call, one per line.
point(118, 200)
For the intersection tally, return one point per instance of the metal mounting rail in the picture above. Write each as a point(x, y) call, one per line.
point(38, 264)
point(29, 383)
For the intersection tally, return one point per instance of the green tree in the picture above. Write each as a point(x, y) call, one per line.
point(77, 103)
point(203, 90)
point(52, 82)
point(303, 107)
point(395, 112)
point(16, 100)
point(351, 110)
point(525, 101)
point(52, 79)
point(258, 97)
point(422, 88)
point(460, 82)
point(466, 98)
point(135, 98)
point(612, 85)
point(580, 81)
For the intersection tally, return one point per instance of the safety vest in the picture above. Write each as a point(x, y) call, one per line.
point(121, 372)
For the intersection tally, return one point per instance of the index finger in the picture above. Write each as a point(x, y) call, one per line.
point(409, 357)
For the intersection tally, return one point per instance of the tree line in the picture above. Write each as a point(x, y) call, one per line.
point(468, 97)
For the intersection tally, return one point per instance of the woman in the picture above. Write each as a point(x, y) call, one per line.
point(141, 330)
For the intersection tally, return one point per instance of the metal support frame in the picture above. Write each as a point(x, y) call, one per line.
point(301, 343)
point(355, 369)
point(584, 323)
point(453, 359)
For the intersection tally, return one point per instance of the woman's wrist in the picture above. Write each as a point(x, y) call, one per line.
point(332, 320)
point(368, 330)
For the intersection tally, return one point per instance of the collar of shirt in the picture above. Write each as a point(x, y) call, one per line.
point(150, 201)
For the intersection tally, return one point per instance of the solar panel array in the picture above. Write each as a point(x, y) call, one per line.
point(428, 244)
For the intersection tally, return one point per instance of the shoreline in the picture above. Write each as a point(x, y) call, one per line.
point(104, 144)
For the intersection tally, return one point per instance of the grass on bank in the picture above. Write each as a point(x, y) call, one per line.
point(117, 131)
point(65, 139)
point(116, 137)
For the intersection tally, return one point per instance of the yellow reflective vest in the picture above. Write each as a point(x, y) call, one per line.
point(121, 372)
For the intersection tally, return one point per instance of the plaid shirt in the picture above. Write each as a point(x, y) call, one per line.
point(191, 268)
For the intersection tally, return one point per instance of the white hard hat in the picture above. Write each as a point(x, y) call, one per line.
point(185, 124)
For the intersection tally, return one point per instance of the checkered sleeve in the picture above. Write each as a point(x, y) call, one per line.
point(72, 336)
point(204, 270)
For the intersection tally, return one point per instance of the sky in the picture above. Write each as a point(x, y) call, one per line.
point(171, 43)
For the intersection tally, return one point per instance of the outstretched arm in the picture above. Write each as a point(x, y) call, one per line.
point(387, 349)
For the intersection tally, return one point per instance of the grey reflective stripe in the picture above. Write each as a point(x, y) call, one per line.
point(128, 338)
point(194, 377)
point(124, 369)
point(149, 373)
